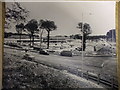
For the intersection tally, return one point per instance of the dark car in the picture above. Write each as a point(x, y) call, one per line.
point(43, 52)
point(79, 48)
point(66, 53)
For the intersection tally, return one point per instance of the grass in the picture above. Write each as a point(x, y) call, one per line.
point(24, 74)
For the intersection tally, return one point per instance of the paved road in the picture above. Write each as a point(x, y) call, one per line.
point(93, 64)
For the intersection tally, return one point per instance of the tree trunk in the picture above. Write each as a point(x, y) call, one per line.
point(41, 38)
point(84, 42)
point(48, 37)
point(20, 38)
point(32, 40)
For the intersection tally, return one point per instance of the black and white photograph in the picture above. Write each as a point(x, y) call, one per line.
point(68, 44)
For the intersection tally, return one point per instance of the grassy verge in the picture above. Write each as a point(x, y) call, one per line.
point(20, 73)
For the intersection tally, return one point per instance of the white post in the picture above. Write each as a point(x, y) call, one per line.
point(40, 38)
point(112, 42)
point(82, 45)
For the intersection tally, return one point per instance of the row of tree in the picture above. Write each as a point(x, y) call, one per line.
point(33, 27)
point(18, 14)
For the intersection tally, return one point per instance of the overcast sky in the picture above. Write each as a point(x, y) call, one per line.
point(100, 15)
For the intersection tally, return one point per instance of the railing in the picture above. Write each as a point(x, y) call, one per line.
point(97, 78)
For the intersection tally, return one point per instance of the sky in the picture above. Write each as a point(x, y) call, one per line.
point(66, 15)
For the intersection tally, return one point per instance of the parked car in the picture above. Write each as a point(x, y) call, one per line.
point(43, 52)
point(79, 48)
point(66, 53)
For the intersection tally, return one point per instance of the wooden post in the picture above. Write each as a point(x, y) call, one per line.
point(112, 82)
point(87, 75)
point(98, 79)
point(118, 39)
point(2, 19)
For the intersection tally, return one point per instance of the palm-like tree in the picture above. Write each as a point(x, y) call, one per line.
point(86, 30)
point(48, 26)
point(19, 29)
point(41, 30)
point(32, 28)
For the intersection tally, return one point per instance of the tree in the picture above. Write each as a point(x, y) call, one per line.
point(15, 13)
point(86, 30)
point(19, 29)
point(48, 26)
point(41, 31)
point(32, 28)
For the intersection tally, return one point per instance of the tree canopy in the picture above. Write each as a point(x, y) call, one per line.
point(16, 14)
point(48, 25)
point(85, 28)
point(32, 26)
